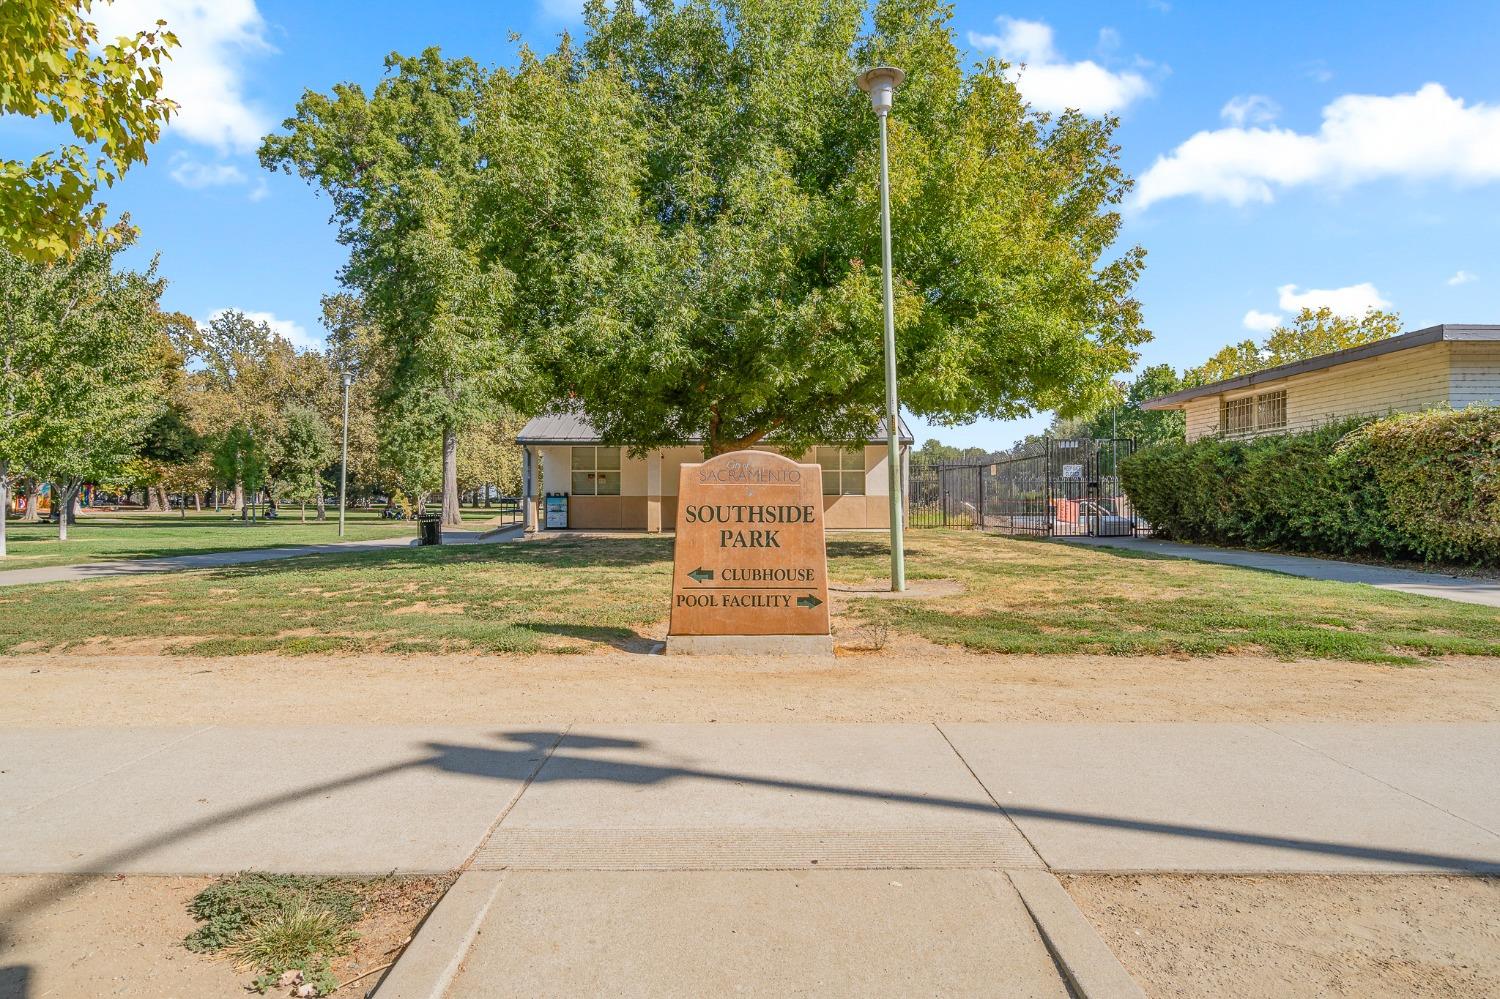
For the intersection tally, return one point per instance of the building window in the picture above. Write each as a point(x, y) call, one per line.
point(1250, 413)
point(843, 471)
point(1270, 410)
point(596, 471)
point(1237, 416)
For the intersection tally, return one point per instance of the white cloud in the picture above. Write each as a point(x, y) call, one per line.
point(1462, 277)
point(1257, 109)
point(1355, 300)
point(194, 174)
point(1051, 84)
point(289, 328)
point(1261, 322)
point(206, 72)
point(1418, 136)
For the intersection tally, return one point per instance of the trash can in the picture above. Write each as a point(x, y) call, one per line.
point(429, 529)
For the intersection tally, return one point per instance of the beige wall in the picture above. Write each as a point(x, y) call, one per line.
point(638, 506)
point(1399, 382)
point(1475, 374)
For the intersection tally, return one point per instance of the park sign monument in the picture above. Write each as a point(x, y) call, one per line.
point(750, 575)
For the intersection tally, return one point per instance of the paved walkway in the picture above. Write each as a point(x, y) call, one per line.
point(1318, 797)
point(1464, 589)
point(686, 860)
point(243, 556)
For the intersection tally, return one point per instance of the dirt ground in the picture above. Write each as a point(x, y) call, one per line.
point(1178, 935)
point(122, 936)
point(1300, 936)
point(909, 680)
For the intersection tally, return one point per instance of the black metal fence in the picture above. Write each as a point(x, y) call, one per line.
point(1064, 487)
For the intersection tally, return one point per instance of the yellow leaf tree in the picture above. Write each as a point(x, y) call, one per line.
point(107, 92)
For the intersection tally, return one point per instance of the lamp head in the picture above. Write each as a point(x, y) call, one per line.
point(348, 378)
point(881, 83)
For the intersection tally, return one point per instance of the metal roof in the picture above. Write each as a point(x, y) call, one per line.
point(574, 428)
point(1406, 341)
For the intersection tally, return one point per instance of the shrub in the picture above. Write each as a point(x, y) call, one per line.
point(1423, 485)
point(1439, 472)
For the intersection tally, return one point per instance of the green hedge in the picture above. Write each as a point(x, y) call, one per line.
point(1421, 485)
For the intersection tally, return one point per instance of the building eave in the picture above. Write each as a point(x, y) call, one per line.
point(1447, 332)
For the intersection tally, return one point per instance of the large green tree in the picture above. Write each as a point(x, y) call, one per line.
point(243, 376)
point(682, 212)
point(298, 454)
point(398, 164)
point(54, 65)
point(82, 367)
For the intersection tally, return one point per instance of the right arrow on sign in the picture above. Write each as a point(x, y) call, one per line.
point(701, 574)
point(808, 601)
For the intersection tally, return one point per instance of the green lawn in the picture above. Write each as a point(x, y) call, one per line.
point(573, 593)
point(102, 536)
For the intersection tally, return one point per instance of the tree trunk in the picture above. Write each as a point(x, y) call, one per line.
point(32, 516)
point(322, 506)
point(197, 502)
point(304, 511)
point(63, 496)
point(451, 515)
point(154, 502)
point(4, 501)
point(239, 496)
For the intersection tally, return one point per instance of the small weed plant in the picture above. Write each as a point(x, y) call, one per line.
point(275, 923)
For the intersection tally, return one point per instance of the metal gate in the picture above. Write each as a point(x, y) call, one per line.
point(1064, 487)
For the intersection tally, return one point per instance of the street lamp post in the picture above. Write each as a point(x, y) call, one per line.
point(344, 452)
point(881, 83)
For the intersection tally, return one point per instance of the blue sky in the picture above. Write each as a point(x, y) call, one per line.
point(1287, 153)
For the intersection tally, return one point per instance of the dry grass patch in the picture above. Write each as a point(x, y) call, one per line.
point(979, 592)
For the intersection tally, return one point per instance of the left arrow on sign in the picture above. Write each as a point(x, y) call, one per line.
point(701, 574)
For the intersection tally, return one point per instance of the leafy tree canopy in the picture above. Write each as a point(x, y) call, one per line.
point(1311, 333)
point(298, 454)
point(399, 165)
point(681, 212)
point(80, 353)
point(934, 451)
point(54, 65)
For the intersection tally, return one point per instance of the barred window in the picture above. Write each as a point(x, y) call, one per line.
point(596, 471)
point(843, 471)
point(1237, 416)
point(1270, 410)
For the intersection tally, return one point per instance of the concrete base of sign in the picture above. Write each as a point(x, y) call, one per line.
point(749, 645)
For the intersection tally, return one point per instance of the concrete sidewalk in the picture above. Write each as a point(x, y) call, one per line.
point(1464, 589)
point(687, 860)
point(244, 556)
point(183, 563)
point(1073, 797)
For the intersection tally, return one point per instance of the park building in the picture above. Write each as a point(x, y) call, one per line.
point(572, 479)
point(1447, 366)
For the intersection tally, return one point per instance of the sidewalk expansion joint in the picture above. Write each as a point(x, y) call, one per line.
point(510, 805)
point(993, 800)
point(753, 849)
